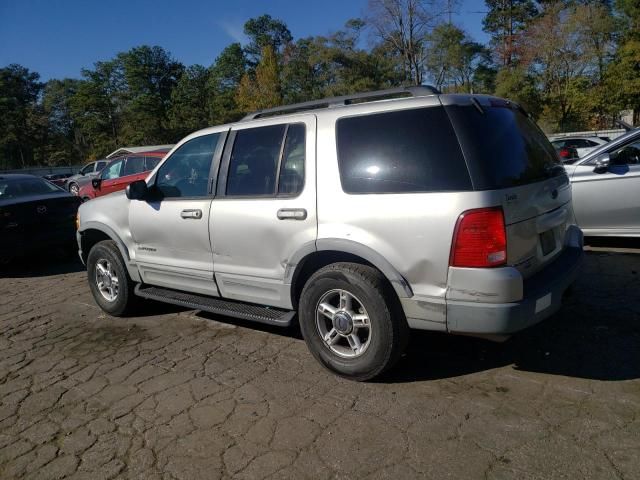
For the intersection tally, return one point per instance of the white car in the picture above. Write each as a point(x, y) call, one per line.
point(583, 145)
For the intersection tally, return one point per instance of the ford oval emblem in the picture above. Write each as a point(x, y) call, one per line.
point(554, 194)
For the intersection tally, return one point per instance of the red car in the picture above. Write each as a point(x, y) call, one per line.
point(120, 172)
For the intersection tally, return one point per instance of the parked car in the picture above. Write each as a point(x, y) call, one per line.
point(606, 188)
point(119, 173)
point(34, 215)
point(583, 145)
point(84, 176)
point(58, 179)
point(363, 220)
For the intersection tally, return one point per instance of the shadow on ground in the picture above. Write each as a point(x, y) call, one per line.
point(42, 265)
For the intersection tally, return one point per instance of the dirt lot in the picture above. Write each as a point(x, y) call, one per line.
point(178, 394)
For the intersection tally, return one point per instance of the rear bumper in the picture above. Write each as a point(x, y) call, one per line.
point(542, 297)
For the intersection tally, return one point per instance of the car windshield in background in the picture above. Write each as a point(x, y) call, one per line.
point(24, 187)
point(502, 146)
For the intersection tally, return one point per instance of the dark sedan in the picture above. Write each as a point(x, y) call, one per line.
point(35, 215)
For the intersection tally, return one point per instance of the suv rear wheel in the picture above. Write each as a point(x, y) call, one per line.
point(109, 281)
point(351, 321)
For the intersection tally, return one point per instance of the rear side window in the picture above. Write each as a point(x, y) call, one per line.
point(254, 161)
point(503, 147)
point(151, 162)
point(398, 152)
point(292, 168)
point(133, 165)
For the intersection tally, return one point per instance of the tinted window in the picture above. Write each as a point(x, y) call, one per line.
point(100, 165)
point(579, 143)
point(87, 169)
point(134, 165)
point(186, 171)
point(403, 151)
point(113, 170)
point(503, 147)
point(292, 168)
point(152, 162)
point(627, 155)
point(12, 188)
point(254, 161)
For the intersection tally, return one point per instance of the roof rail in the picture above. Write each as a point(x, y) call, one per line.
point(415, 91)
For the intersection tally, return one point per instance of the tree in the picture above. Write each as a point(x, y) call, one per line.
point(189, 102)
point(453, 58)
point(224, 78)
point(265, 31)
point(505, 21)
point(150, 75)
point(64, 144)
point(263, 90)
point(518, 85)
point(403, 26)
point(19, 112)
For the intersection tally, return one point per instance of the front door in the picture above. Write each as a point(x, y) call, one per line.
point(171, 228)
point(265, 208)
point(609, 200)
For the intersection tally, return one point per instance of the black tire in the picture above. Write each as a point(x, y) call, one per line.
point(388, 326)
point(125, 300)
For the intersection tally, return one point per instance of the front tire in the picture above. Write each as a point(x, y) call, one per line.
point(109, 281)
point(351, 321)
point(74, 189)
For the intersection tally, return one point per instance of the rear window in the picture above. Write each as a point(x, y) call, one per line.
point(503, 147)
point(399, 152)
point(14, 188)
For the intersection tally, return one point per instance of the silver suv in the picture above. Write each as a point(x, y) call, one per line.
point(366, 215)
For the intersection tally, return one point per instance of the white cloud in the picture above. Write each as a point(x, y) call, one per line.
point(234, 30)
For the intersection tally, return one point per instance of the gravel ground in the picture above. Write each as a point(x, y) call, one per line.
point(183, 394)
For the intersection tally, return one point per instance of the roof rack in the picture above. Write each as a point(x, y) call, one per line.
point(415, 91)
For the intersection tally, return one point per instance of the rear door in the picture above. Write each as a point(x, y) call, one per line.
point(265, 208)
point(509, 156)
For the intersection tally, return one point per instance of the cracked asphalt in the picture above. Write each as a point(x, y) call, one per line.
point(178, 394)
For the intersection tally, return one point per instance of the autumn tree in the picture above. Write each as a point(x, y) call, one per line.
point(262, 90)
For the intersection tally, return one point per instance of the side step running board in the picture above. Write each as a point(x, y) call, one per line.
point(255, 313)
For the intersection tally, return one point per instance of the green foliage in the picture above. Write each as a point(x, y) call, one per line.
point(505, 21)
point(517, 85)
point(265, 31)
point(189, 102)
point(224, 78)
point(261, 90)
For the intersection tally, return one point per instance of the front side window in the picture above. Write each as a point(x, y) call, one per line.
point(398, 152)
point(627, 155)
point(133, 166)
point(87, 169)
point(186, 171)
point(113, 170)
point(254, 161)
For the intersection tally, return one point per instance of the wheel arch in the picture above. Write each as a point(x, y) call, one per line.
point(311, 258)
point(95, 232)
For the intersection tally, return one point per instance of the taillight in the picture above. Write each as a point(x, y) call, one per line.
point(480, 239)
point(564, 152)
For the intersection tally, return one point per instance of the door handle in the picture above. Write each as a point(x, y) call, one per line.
point(194, 213)
point(292, 214)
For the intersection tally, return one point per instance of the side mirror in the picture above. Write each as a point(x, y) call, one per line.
point(602, 163)
point(95, 182)
point(137, 190)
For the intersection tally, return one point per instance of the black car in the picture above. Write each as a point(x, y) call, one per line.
point(35, 215)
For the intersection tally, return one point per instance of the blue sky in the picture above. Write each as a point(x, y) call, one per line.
point(57, 38)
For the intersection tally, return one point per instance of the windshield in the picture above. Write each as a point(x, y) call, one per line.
point(23, 187)
point(502, 146)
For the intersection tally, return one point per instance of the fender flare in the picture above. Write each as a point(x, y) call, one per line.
point(398, 282)
point(124, 251)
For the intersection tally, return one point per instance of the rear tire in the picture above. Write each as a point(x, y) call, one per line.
point(74, 189)
point(109, 281)
point(351, 321)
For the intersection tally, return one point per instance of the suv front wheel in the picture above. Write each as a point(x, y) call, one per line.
point(351, 320)
point(109, 281)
